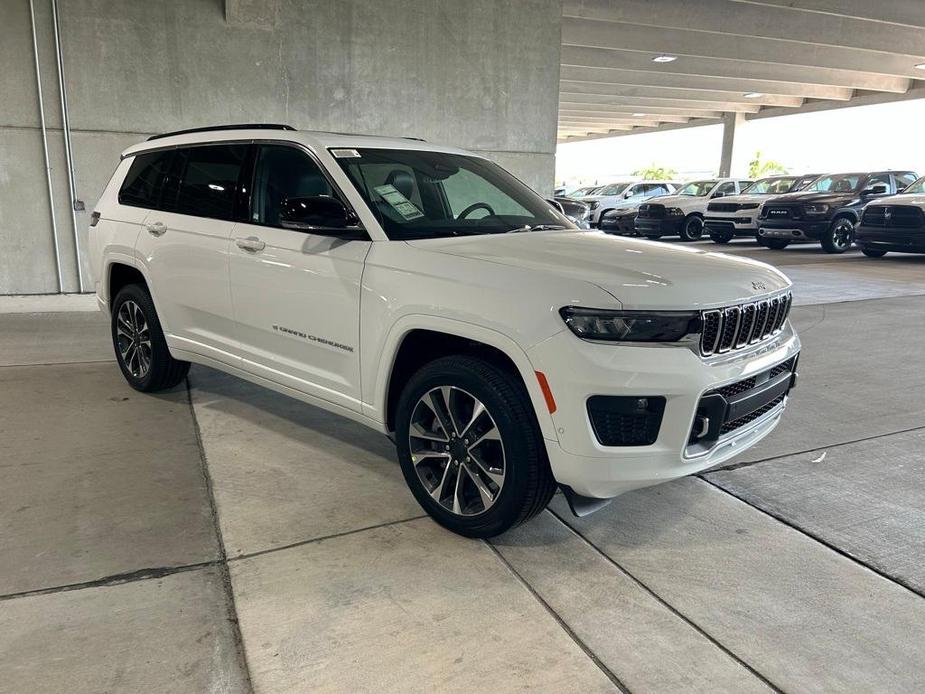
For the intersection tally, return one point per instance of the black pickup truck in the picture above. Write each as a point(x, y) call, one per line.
point(827, 211)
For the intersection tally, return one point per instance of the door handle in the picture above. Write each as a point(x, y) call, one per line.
point(156, 228)
point(251, 243)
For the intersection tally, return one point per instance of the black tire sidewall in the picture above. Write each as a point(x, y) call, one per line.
point(519, 450)
point(685, 232)
point(721, 238)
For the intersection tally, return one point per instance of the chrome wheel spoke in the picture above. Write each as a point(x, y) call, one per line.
point(456, 450)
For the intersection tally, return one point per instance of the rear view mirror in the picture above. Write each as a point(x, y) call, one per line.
point(318, 214)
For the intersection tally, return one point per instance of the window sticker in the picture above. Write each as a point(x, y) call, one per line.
point(345, 154)
point(399, 202)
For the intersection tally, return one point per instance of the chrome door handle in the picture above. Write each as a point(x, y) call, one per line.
point(251, 243)
point(156, 228)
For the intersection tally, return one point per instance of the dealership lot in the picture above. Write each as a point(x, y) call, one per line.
point(222, 537)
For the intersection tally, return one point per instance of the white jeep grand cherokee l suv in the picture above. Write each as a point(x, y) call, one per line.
point(682, 214)
point(427, 293)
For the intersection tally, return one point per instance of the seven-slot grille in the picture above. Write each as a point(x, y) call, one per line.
point(651, 211)
point(735, 327)
point(894, 216)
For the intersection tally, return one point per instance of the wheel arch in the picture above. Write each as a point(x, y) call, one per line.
point(416, 340)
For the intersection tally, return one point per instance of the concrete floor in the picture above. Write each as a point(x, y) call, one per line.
point(222, 538)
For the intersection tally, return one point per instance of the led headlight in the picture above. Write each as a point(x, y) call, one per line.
point(629, 326)
point(815, 208)
point(674, 212)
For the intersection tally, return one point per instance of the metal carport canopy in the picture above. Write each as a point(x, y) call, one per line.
point(758, 58)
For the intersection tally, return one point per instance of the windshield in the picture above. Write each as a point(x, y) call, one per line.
point(803, 183)
point(424, 195)
point(698, 188)
point(612, 189)
point(837, 183)
point(770, 186)
point(917, 187)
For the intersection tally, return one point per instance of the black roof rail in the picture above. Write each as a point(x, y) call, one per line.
point(238, 126)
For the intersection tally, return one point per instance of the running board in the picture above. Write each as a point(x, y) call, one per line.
point(582, 505)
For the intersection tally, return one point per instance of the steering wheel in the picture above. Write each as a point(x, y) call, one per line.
point(476, 206)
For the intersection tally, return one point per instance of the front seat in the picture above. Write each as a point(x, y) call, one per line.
point(402, 181)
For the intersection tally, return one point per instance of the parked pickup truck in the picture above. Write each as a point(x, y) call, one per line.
point(895, 223)
point(682, 214)
point(827, 210)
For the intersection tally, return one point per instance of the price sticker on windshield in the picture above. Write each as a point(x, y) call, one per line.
point(399, 202)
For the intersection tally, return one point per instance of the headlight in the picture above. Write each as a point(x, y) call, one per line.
point(629, 326)
point(594, 204)
point(674, 212)
point(749, 206)
point(816, 208)
point(585, 213)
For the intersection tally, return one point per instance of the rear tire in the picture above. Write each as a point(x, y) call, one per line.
point(773, 244)
point(139, 344)
point(839, 236)
point(871, 253)
point(475, 489)
point(692, 228)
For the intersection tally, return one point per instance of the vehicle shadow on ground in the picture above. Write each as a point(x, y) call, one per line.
point(285, 416)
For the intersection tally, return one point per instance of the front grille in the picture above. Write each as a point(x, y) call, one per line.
point(723, 207)
point(651, 211)
point(751, 416)
point(736, 327)
point(626, 421)
point(894, 216)
point(780, 212)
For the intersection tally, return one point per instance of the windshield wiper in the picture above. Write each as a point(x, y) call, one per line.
point(538, 227)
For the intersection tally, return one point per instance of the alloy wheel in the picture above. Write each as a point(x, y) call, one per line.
point(842, 234)
point(134, 339)
point(457, 451)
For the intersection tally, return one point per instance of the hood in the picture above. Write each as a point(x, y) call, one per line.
point(639, 274)
point(813, 196)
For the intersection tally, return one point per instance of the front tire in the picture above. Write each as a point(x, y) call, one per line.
point(839, 236)
point(871, 253)
point(692, 228)
point(139, 343)
point(470, 447)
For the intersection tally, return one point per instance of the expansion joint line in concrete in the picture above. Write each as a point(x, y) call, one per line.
point(560, 621)
point(223, 556)
point(677, 613)
point(813, 536)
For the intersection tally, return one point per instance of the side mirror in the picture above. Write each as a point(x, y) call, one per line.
point(718, 194)
point(879, 189)
point(318, 214)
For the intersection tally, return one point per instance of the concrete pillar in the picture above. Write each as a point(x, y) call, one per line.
point(731, 121)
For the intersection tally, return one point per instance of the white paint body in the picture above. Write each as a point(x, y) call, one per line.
point(634, 195)
point(692, 204)
point(218, 303)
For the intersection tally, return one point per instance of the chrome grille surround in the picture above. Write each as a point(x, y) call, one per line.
point(736, 327)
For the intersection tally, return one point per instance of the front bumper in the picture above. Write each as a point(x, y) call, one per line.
point(623, 225)
point(793, 229)
point(907, 240)
point(578, 370)
point(669, 226)
point(740, 225)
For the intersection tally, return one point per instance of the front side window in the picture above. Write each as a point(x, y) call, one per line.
point(838, 183)
point(420, 194)
point(802, 183)
point(282, 172)
point(917, 187)
point(145, 177)
point(904, 180)
point(204, 181)
point(728, 188)
point(697, 189)
point(612, 189)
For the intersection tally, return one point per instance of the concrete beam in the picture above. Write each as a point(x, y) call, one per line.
point(571, 101)
point(674, 80)
point(630, 111)
point(731, 69)
point(767, 20)
point(710, 44)
point(903, 12)
point(679, 104)
point(655, 92)
point(694, 123)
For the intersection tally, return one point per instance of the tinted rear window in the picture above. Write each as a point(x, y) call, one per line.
point(204, 181)
point(142, 184)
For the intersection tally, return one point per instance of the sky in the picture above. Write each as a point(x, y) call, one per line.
point(881, 136)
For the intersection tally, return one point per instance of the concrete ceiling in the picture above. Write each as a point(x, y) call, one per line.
point(789, 56)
